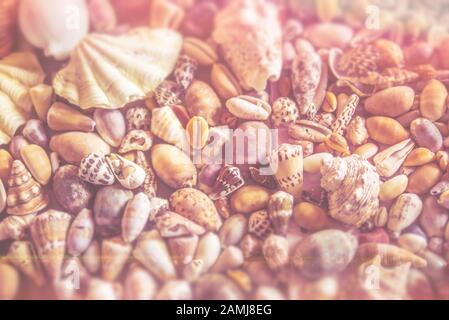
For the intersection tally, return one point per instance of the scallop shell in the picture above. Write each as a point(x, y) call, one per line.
point(81, 233)
point(25, 195)
point(111, 71)
point(114, 255)
point(135, 217)
point(165, 125)
point(287, 165)
point(130, 175)
point(95, 170)
point(49, 231)
point(353, 187)
point(22, 255)
point(249, 34)
point(391, 159)
point(306, 74)
point(18, 73)
point(153, 253)
point(15, 227)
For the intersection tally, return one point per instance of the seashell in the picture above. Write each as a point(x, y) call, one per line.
point(233, 230)
point(324, 252)
point(353, 188)
point(275, 250)
point(206, 255)
point(139, 284)
point(173, 166)
point(419, 157)
point(201, 100)
point(166, 126)
point(81, 233)
point(37, 162)
point(215, 286)
point(91, 257)
point(200, 51)
point(95, 170)
point(440, 188)
point(280, 210)
point(185, 70)
point(114, 255)
point(152, 252)
point(73, 276)
point(168, 93)
point(6, 161)
point(328, 35)
point(8, 11)
point(406, 119)
point(19, 72)
point(309, 131)
point(61, 117)
point(391, 255)
point(41, 96)
point(175, 290)
point(102, 16)
point(404, 212)
point(197, 132)
point(2, 197)
point(344, 118)
point(268, 293)
point(74, 146)
point(426, 134)
point(110, 125)
point(249, 198)
point(157, 206)
point(264, 180)
point(136, 140)
point(305, 77)
point(229, 180)
point(356, 131)
point(337, 144)
point(248, 108)
point(149, 186)
point(123, 74)
point(182, 249)
point(259, 224)
point(433, 100)
point(284, 113)
point(251, 246)
point(130, 175)
point(24, 195)
point(312, 163)
point(195, 206)
point(15, 227)
point(443, 200)
point(310, 217)
point(230, 258)
point(49, 231)
point(70, 191)
point(256, 24)
point(386, 130)
point(9, 282)
point(424, 178)
point(391, 102)
point(138, 118)
point(170, 224)
point(412, 242)
point(224, 82)
point(16, 144)
point(135, 217)
point(442, 158)
point(393, 188)
point(433, 218)
point(165, 14)
point(108, 207)
point(98, 289)
point(34, 131)
point(22, 255)
point(391, 159)
point(287, 164)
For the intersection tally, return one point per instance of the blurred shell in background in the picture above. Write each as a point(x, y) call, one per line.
point(8, 19)
point(109, 72)
point(18, 73)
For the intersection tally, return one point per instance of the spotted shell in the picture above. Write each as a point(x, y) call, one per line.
point(229, 179)
point(95, 170)
point(259, 224)
point(185, 70)
point(284, 112)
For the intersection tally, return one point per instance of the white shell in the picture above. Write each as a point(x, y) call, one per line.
point(404, 212)
point(390, 160)
point(166, 125)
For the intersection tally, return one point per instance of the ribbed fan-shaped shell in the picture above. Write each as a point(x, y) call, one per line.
point(111, 71)
point(18, 73)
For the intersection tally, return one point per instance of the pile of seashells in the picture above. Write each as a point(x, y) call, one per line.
point(115, 183)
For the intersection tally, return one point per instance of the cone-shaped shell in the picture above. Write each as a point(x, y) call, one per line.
point(249, 34)
point(135, 216)
point(111, 71)
point(170, 224)
point(22, 255)
point(61, 117)
point(182, 249)
point(49, 231)
point(139, 284)
point(166, 125)
point(18, 73)
point(25, 195)
point(15, 227)
point(9, 281)
point(391, 255)
point(153, 253)
point(114, 255)
point(81, 233)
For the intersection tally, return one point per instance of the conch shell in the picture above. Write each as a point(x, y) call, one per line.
point(18, 73)
point(353, 187)
point(249, 34)
point(111, 71)
point(49, 231)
